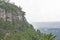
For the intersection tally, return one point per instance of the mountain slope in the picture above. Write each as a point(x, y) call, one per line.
point(19, 29)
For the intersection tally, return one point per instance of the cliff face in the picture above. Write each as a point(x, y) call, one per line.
point(8, 12)
point(19, 29)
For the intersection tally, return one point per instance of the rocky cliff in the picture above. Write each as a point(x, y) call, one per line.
point(9, 12)
point(13, 25)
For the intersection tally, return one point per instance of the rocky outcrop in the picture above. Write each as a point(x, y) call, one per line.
point(9, 12)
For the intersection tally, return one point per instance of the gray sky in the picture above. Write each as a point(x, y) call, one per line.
point(40, 10)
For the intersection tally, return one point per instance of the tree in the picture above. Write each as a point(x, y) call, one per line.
point(47, 37)
point(5, 0)
point(38, 31)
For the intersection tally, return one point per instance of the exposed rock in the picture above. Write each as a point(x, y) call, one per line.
point(9, 12)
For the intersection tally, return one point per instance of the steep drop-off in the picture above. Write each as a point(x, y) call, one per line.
point(13, 25)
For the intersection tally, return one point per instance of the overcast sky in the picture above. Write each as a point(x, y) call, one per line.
point(40, 10)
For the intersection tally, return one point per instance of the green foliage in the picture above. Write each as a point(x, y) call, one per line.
point(47, 37)
point(2, 34)
point(19, 29)
point(7, 6)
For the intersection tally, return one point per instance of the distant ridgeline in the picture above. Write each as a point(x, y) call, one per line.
point(9, 12)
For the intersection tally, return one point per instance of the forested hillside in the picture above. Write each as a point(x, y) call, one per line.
point(19, 29)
